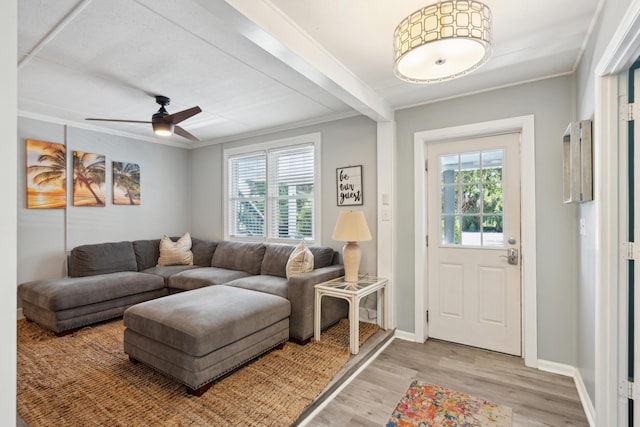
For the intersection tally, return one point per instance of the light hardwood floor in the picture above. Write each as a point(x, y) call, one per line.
point(537, 398)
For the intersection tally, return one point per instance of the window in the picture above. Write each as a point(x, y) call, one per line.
point(472, 200)
point(271, 190)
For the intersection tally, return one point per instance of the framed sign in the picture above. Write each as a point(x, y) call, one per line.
point(349, 185)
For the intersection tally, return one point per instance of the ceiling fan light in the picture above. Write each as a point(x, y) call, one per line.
point(442, 41)
point(162, 128)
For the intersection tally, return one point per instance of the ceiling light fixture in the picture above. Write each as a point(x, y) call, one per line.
point(162, 128)
point(442, 41)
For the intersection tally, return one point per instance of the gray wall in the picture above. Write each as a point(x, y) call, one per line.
point(44, 235)
point(206, 187)
point(610, 17)
point(345, 142)
point(550, 101)
point(181, 191)
point(586, 332)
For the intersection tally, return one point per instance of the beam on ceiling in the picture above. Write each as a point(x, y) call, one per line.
point(55, 30)
point(270, 29)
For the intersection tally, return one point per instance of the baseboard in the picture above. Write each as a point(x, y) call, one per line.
point(557, 368)
point(573, 372)
point(587, 404)
point(20, 314)
point(406, 336)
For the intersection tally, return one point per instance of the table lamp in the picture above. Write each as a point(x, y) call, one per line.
point(351, 228)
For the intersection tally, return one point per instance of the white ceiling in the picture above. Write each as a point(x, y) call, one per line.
point(258, 65)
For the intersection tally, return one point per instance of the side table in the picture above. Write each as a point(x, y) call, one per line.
point(353, 292)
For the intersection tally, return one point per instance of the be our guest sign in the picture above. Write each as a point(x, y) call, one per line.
point(349, 185)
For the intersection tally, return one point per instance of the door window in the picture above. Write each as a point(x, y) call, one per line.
point(472, 199)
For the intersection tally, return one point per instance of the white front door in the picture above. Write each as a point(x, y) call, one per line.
point(473, 254)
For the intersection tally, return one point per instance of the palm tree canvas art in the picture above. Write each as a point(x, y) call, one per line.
point(88, 179)
point(126, 183)
point(46, 174)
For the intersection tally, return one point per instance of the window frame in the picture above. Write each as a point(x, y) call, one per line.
point(264, 147)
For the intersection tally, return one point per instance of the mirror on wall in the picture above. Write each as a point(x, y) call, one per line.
point(578, 181)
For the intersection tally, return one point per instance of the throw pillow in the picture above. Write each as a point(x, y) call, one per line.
point(300, 260)
point(175, 253)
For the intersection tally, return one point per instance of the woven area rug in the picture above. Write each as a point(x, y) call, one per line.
point(85, 379)
point(428, 405)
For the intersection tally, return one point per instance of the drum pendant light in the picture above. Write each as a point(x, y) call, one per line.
point(442, 41)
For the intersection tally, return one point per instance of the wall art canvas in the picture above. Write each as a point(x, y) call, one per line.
point(88, 179)
point(46, 175)
point(126, 183)
point(349, 186)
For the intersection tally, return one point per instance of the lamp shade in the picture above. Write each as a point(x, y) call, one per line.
point(351, 227)
point(162, 128)
point(442, 41)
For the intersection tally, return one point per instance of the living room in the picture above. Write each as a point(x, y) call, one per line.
point(183, 189)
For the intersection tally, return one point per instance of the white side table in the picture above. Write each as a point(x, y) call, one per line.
point(353, 292)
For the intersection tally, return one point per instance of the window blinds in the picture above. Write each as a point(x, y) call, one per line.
point(247, 195)
point(271, 193)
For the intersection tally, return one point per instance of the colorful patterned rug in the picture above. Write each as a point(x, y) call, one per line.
point(427, 405)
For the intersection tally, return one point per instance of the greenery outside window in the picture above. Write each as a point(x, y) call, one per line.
point(472, 199)
point(271, 190)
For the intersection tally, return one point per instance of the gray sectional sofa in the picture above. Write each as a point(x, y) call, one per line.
point(106, 279)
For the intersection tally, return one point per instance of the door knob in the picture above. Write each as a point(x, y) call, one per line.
point(511, 256)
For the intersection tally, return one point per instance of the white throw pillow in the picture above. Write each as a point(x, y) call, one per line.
point(175, 253)
point(300, 260)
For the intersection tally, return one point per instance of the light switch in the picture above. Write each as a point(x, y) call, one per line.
point(583, 227)
point(385, 199)
point(386, 213)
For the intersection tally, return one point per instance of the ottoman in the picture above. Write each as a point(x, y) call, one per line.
point(198, 336)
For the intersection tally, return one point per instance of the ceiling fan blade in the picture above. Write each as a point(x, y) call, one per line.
point(180, 116)
point(118, 120)
point(183, 133)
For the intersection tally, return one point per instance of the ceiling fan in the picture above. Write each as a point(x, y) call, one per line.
point(165, 124)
